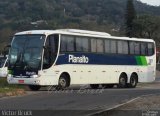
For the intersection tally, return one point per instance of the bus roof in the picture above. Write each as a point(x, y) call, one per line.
point(81, 33)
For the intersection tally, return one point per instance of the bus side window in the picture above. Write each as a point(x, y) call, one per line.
point(63, 44)
point(70, 43)
point(131, 47)
point(82, 44)
point(67, 43)
point(100, 46)
point(125, 47)
point(78, 44)
point(113, 46)
point(107, 46)
point(122, 47)
point(134, 48)
point(150, 49)
point(137, 48)
point(93, 45)
point(85, 44)
point(143, 48)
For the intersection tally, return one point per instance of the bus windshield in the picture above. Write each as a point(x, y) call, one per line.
point(26, 52)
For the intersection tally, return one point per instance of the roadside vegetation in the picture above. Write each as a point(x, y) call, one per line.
point(10, 90)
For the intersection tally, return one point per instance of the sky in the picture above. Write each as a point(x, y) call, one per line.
point(152, 2)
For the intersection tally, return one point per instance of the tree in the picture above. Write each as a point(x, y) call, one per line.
point(130, 16)
point(5, 37)
point(147, 26)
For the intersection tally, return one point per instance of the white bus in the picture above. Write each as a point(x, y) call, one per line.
point(68, 56)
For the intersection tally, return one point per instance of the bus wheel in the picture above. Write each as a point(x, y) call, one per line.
point(122, 81)
point(133, 81)
point(94, 86)
point(107, 85)
point(34, 87)
point(63, 82)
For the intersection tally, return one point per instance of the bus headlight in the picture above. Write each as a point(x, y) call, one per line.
point(34, 76)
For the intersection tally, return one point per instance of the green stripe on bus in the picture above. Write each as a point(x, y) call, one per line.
point(143, 60)
point(138, 60)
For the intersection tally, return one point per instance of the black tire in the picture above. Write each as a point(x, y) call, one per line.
point(133, 81)
point(63, 82)
point(122, 81)
point(94, 86)
point(107, 85)
point(34, 87)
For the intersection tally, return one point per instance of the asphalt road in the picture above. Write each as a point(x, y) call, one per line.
point(82, 101)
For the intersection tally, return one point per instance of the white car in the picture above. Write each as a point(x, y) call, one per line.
point(3, 67)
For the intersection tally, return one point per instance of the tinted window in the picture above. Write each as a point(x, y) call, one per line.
point(82, 44)
point(150, 49)
point(113, 46)
point(78, 44)
point(107, 46)
point(85, 44)
point(125, 47)
point(137, 48)
point(143, 48)
point(50, 51)
point(122, 47)
point(93, 45)
point(67, 43)
point(134, 48)
point(131, 47)
point(100, 46)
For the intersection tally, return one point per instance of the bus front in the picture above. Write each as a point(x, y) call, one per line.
point(29, 55)
point(25, 58)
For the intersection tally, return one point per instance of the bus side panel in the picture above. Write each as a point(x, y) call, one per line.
point(103, 74)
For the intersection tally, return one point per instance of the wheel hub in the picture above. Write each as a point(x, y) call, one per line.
point(62, 82)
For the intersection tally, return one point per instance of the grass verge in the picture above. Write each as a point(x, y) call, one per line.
point(10, 90)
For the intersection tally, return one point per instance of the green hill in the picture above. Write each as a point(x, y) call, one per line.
point(100, 15)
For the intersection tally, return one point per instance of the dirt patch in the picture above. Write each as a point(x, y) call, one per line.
point(14, 92)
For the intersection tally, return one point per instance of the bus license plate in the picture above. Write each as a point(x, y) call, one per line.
point(21, 81)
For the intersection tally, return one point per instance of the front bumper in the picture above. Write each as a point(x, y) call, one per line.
point(31, 81)
point(27, 81)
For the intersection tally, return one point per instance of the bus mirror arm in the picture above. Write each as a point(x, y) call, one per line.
point(44, 47)
point(5, 51)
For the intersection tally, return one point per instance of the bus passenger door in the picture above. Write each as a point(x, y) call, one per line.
point(50, 51)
